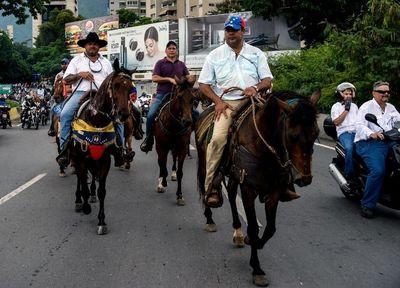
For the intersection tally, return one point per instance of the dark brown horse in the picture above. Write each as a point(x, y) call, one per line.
point(94, 137)
point(172, 133)
point(271, 149)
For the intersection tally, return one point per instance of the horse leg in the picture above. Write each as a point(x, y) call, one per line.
point(101, 192)
point(62, 169)
point(173, 172)
point(162, 164)
point(78, 196)
point(130, 153)
point(181, 158)
point(249, 197)
point(271, 207)
point(81, 172)
point(238, 237)
point(93, 197)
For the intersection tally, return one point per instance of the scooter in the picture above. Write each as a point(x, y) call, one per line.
point(390, 194)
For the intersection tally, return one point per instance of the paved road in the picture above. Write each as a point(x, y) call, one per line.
point(321, 240)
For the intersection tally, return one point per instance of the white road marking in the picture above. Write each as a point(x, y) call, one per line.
point(21, 188)
point(325, 146)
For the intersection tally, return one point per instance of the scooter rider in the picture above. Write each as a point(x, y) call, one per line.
point(369, 144)
point(344, 116)
point(4, 106)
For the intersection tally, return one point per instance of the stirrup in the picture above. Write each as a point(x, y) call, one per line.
point(147, 144)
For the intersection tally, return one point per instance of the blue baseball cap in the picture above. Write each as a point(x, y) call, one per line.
point(236, 22)
point(65, 61)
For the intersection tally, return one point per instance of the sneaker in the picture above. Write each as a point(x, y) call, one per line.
point(367, 212)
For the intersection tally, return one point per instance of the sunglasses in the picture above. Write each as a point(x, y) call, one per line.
point(383, 92)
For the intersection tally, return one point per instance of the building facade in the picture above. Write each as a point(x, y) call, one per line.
point(137, 6)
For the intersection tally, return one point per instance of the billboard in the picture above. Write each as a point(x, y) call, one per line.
point(77, 30)
point(138, 47)
point(5, 89)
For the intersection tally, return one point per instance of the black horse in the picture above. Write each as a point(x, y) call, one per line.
point(271, 149)
point(94, 137)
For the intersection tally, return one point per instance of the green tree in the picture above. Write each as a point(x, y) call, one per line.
point(313, 20)
point(127, 18)
point(228, 6)
point(18, 8)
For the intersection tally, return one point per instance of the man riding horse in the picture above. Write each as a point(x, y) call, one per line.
point(85, 72)
point(234, 64)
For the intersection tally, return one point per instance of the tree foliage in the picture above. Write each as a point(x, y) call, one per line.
point(18, 8)
point(128, 18)
point(228, 6)
point(362, 55)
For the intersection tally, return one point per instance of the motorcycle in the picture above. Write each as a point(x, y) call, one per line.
point(30, 118)
point(145, 104)
point(390, 196)
point(44, 114)
point(5, 116)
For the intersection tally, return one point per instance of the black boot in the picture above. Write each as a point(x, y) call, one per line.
point(138, 132)
point(213, 197)
point(63, 157)
point(147, 144)
point(118, 156)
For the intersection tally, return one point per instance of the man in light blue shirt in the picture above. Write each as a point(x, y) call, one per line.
point(233, 64)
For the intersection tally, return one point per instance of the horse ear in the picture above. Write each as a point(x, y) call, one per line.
point(316, 95)
point(178, 80)
point(285, 106)
point(116, 65)
point(190, 79)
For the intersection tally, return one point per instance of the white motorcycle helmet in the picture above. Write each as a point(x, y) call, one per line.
point(344, 86)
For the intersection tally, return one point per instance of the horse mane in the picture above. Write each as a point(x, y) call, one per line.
point(303, 112)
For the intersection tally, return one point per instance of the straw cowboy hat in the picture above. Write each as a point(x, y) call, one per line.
point(92, 37)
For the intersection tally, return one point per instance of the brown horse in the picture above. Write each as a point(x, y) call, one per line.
point(270, 149)
point(58, 91)
point(172, 132)
point(129, 131)
point(93, 137)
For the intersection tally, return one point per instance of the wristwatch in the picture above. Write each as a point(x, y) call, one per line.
point(255, 87)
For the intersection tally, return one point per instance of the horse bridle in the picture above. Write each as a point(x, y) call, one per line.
point(110, 90)
point(288, 164)
point(178, 120)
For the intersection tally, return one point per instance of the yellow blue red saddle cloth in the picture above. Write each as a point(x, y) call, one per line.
point(93, 138)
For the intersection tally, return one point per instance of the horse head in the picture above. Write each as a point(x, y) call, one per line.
point(58, 88)
point(119, 89)
point(182, 100)
point(299, 131)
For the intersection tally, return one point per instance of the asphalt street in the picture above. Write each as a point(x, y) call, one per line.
point(321, 239)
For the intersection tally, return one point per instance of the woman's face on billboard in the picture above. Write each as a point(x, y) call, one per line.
point(151, 47)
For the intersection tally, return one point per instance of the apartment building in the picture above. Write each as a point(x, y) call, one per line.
point(175, 9)
point(137, 6)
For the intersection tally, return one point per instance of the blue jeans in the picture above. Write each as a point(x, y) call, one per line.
point(374, 153)
point(67, 115)
point(151, 115)
point(347, 139)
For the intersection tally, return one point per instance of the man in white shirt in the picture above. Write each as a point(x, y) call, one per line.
point(344, 116)
point(369, 144)
point(233, 64)
point(85, 71)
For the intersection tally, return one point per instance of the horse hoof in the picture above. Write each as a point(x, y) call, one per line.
point(102, 230)
point(238, 241)
point(260, 280)
point(86, 209)
point(78, 207)
point(61, 174)
point(92, 199)
point(211, 227)
point(173, 176)
point(160, 189)
point(180, 202)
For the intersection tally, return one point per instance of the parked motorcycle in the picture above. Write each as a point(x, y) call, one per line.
point(390, 196)
point(30, 118)
point(5, 116)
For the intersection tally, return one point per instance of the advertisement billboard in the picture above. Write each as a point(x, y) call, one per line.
point(77, 30)
point(5, 89)
point(138, 47)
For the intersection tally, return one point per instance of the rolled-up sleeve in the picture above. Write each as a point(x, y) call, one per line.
point(207, 74)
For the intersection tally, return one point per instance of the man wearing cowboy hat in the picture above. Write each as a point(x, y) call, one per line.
point(86, 71)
